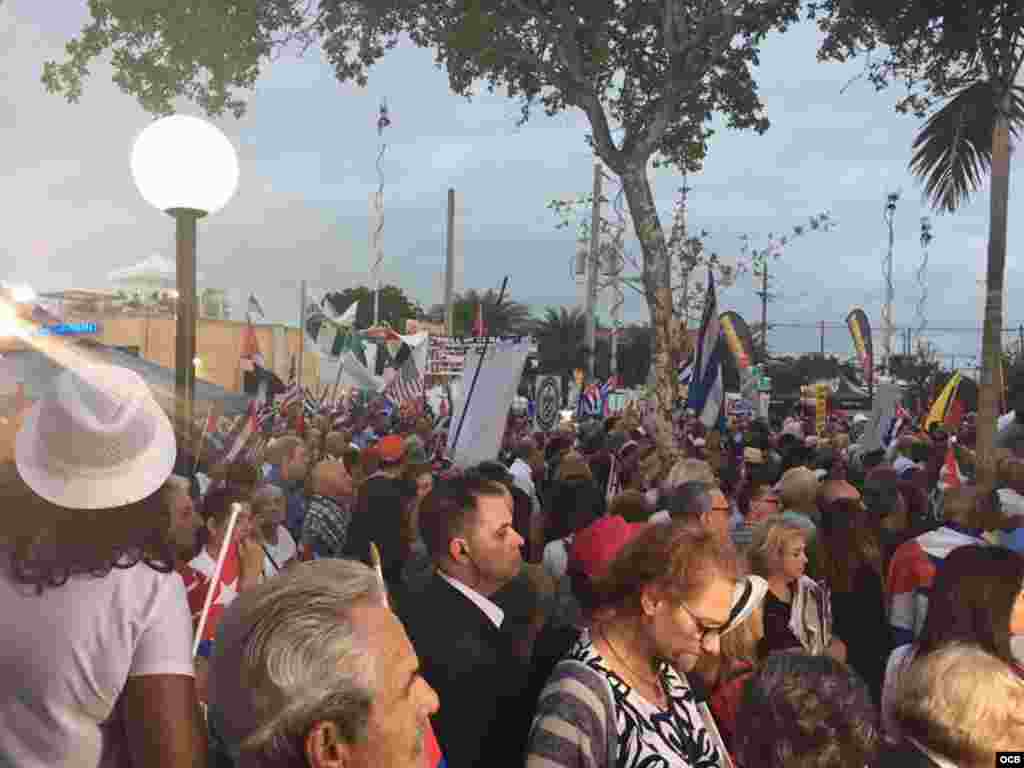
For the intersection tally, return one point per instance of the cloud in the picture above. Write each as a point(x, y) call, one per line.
point(308, 149)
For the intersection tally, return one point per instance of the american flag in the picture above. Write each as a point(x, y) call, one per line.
point(406, 385)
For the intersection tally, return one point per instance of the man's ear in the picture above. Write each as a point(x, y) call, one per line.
point(458, 550)
point(324, 747)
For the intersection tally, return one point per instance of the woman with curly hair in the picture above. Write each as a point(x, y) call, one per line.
point(803, 711)
point(97, 639)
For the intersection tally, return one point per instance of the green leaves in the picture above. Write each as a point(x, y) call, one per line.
point(953, 151)
point(162, 50)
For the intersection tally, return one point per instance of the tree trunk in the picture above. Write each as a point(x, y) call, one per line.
point(658, 292)
point(991, 344)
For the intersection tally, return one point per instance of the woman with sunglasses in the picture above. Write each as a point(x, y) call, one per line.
point(620, 696)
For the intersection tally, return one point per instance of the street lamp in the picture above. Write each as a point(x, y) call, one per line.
point(186, 168)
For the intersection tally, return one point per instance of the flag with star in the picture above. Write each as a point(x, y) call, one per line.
point(197, 575)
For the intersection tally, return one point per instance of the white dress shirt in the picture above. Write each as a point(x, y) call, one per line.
point(491, 611)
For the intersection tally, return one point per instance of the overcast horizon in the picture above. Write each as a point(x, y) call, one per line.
point(307, 149)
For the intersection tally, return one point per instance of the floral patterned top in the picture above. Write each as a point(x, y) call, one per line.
point(645, 735)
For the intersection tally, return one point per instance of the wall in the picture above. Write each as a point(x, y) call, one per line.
point(218, 345)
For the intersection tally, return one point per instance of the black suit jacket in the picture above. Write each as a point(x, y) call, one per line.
point(470, 663)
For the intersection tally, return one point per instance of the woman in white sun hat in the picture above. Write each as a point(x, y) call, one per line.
point(96, 651)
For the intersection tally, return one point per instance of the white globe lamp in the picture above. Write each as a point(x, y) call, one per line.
point(187, 168)
point(182, 162)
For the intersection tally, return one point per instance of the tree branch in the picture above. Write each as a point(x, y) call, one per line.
point(683, 70)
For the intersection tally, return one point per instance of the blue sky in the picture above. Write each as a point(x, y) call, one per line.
point(307, 149)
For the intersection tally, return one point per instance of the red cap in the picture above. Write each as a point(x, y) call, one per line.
point(390, 449)
point(594, 548)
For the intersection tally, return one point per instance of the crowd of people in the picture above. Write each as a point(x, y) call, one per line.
point(345, 596)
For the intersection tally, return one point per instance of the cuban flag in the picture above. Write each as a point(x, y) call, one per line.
point(686, 372)
point(707, 390)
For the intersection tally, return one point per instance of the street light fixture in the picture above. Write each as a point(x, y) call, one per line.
point(187, 168)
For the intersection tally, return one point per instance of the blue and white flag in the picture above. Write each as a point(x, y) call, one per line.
point(686, 372)
point(707, 390)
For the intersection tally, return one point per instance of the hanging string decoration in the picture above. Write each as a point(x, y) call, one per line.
point(377, 245)
point(922, 277)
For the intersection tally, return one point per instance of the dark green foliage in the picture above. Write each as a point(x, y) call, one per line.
point(510, 318)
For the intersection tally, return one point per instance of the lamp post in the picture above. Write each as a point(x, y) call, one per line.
point(188, 169)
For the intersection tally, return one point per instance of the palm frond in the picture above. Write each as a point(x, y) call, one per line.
point(953, 151)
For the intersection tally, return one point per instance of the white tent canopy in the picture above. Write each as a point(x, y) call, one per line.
point(153, 274)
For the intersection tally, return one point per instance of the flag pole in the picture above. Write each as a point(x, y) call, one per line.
point(202, 438)
point(215, 578)
point(476, 375)
point(302, 329)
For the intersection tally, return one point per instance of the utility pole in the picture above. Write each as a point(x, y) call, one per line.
point(765, 298)
point(593, 266)
point(449, 266)
point(822, 338)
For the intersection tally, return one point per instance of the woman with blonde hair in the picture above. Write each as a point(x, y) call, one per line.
point(958, 706)
point(662, 603)
point(797, 610)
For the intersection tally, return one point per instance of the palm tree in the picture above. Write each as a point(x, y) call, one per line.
point(968, 63)
point(967, 138)
point(560, 334)
point(510, 318)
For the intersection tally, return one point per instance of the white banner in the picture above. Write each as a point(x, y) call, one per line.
point(887, 397)
point(354, 375)
point(484, 422)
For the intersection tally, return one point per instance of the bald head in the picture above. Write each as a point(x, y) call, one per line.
point(331, 479)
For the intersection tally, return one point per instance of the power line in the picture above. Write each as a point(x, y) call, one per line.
point(931, 329)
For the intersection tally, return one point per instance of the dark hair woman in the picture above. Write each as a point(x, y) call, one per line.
point(851, 554)
point(97, 639)
point(978, 598)
point(802, 711)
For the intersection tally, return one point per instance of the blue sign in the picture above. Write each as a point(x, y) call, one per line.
point(69, 329)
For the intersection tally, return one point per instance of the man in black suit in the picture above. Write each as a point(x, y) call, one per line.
point(456, 628)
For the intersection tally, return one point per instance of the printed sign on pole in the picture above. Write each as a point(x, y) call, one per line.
point(549, 400)
point(820, 408)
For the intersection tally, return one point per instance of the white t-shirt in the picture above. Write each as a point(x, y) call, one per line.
point(282, 552)
point(66, 655)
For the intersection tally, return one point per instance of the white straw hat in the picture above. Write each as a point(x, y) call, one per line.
point(98, 441)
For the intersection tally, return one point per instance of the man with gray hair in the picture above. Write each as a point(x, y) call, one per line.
point(702, 506)
point(312, 670)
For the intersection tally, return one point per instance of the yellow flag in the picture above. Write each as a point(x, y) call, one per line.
point(938, 412)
